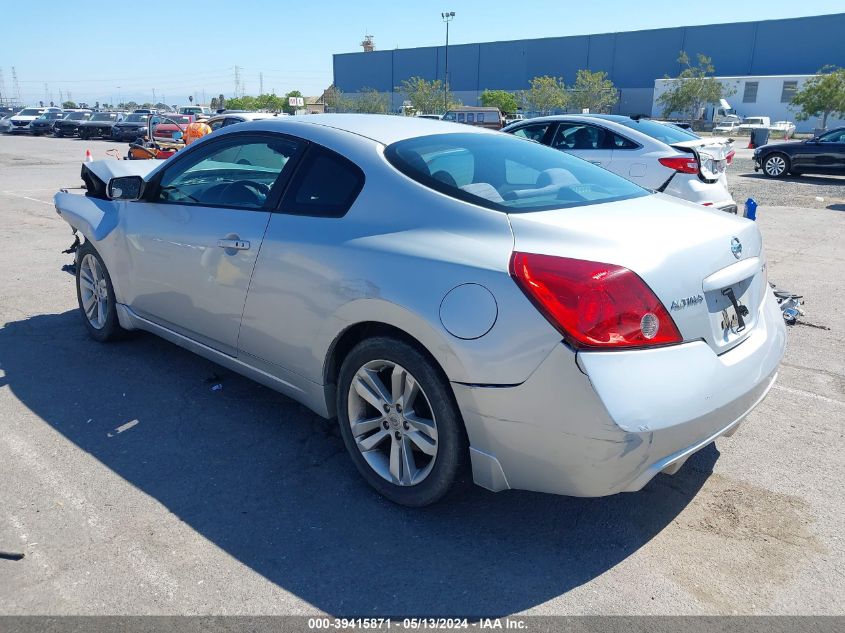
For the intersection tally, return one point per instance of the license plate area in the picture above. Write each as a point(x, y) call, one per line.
point(733, 311)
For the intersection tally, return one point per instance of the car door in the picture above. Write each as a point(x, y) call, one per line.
point(584, 140)
point(830, 152)
point(191, 244)
point(297, 284)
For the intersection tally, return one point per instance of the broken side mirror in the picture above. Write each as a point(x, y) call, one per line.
point(126, 188)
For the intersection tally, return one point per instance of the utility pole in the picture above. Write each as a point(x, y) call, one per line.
point(16, 87)
point(261, 83)
point(3, 98)
point(154, 97)
point(447, 16)
point(237, 81)
point(46, 94)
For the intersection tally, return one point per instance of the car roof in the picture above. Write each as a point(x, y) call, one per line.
point(382, 128)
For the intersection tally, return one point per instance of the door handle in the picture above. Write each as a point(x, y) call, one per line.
point(238, 245)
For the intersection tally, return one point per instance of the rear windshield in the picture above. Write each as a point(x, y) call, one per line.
point(667, 133)
point(506, 173)
point(78, 116)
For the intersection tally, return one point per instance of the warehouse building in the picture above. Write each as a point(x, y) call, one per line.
point(633, 60)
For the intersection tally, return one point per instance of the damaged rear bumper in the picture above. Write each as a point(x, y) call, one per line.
point(622, 420)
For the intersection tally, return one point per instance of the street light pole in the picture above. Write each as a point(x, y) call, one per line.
point(447, 17)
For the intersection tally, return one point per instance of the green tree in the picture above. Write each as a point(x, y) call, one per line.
point(693, 89)
point(69, 105)
point(287, 107)
point(502, 99)
point(822, 95)
point(334, 99)
point(371, 101)
point(544, 95)
point(593, 91)
point(426, 97)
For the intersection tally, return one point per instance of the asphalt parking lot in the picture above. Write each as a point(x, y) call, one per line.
point(132, 487)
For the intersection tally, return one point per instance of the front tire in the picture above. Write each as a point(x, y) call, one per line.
point(776, 165)
point(399, 421)
point(95, 294)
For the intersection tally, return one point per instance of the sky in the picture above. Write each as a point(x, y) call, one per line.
point(106, 51)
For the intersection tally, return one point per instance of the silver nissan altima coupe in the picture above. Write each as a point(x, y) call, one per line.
point(452, 295)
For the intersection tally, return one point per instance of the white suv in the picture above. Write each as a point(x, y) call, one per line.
point(19, 124)
point(657, 156)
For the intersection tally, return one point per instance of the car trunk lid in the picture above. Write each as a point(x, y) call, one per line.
point(706, 267)
point(712, 154)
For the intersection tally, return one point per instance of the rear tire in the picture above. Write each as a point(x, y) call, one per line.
point(95, 295)
point(400, 422)
point(776, 165)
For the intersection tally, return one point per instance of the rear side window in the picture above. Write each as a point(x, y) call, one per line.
point(533, 132)
point(501, 172)
point(326, 185)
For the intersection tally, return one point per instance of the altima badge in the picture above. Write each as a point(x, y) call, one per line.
point(686, 302)
point(736, 247)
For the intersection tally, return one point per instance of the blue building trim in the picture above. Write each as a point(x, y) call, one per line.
point(632, 59)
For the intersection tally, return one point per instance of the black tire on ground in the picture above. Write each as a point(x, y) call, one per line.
point(110, 329)
point(452, 449)
point(776, 165)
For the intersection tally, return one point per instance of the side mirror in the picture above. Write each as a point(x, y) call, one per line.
point(126, 188)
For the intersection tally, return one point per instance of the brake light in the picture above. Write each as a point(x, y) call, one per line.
point(594, 305)
point(730, 157)
point(681, 164)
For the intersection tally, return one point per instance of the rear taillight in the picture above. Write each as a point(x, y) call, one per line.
point(730, 157)
point(681, 164)
point(594, 305)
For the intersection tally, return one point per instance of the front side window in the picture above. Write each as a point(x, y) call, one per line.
point(500, 172)
point(237, 172)
point(836, 136)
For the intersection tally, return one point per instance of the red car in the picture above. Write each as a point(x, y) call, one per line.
point(168, 128)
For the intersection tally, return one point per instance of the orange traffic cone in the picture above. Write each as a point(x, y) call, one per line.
point(88, 157)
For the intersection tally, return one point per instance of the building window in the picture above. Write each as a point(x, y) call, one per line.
point(788, 92)
point(750, 94)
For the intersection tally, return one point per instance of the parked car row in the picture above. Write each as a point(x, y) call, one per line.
point(114, 125)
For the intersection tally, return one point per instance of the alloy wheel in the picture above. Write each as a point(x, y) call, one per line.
point(93, 290)
point(392, 422)
point(775, 166)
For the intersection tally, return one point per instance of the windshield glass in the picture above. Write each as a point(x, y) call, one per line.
point(506, 173)
point(178, 118)
point(52, 116)
point(137, 118)
point(30, 112)
point(78, 116)
point(667, 133)
point(104, 116)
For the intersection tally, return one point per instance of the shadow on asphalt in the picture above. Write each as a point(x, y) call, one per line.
point(270, 483)
point(803, 178)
